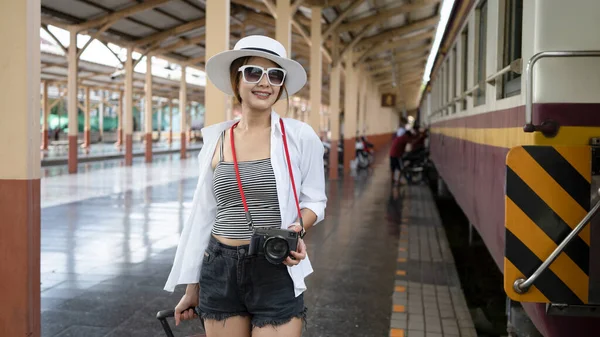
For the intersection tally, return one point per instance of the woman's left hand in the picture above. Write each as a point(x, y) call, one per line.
point(300, 254)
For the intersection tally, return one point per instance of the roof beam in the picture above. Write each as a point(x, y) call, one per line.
point(328, 3)
point(196, 60)
point(49, 20)
point(404, 56)
point(400, 74)
point(270, 8)
point(403, 30)
point(177, 30)
point(354, 41)
point(387, 45)
point(295, 6)
point(388, 13)
point(340, 18)
point(399, 66)
point(64, 49)
point(116, 16)
point(406, 80)
point(180, 44)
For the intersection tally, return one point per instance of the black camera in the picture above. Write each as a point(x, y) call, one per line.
point(274, 243)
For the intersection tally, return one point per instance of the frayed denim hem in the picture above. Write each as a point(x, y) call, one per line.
point(221, 317)
point(279, 322)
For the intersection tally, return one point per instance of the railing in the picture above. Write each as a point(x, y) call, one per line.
point(549, 128)
point(522, 285)
point(515, 66)
point(455, 100)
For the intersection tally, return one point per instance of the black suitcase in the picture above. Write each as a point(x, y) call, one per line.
point(162, 318)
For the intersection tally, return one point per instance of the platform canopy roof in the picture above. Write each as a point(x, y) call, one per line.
point(392, 38)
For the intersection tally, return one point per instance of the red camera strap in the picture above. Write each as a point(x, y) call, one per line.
point(239, 179)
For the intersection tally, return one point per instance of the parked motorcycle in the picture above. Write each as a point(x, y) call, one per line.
point(327, 150)
point(416, 166)
point(365, 153)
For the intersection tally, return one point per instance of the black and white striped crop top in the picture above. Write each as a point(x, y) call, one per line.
point(258, 182)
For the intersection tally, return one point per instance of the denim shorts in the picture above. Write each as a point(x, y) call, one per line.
point(232, 283)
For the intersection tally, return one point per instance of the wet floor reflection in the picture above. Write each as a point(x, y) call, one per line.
point(105, 259)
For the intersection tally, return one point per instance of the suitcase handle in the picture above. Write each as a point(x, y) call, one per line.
point(164, 314)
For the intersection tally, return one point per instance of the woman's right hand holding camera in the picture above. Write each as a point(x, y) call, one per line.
point(189, 300)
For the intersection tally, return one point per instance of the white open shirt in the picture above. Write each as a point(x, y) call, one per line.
point(306, 155)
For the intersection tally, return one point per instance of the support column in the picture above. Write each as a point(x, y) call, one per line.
point(159, 116)
point(86, 118)
point(46, 114)
point(189, 116)
point(334, 115)
point(72, 102)
point(350, 111)
point(128, 109)
point(283, 34)
point(20, 168)
point(120, 121)
point(362, 100)
point(148, 110)
point(101, 116)
point(183, 112)
point(316, 69)
point(217, 40)
point(170, 140)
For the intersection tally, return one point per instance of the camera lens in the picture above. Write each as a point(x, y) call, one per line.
point(276, 250)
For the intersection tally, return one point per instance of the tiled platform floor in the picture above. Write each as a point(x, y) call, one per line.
point(109, 236)
point(428, 300)
point(107, 149)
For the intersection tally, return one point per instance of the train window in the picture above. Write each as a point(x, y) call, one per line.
point(453, 62)
point(449, 85)
point(442, 89)
point(481, 40)
point(513, 24)
point(465, 64)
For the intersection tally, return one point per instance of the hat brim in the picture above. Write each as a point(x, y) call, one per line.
point(217, 70)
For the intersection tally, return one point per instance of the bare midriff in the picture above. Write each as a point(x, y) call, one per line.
point(231, 242)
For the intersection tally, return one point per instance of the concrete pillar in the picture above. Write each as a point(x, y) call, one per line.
point(316, 69)
point(86, 118)
point(369, 112)
point(334, 118)
point(120, 121)
point(350, 111)
point(217, 40)
point(128, 108)
point(159, 115)
point(283, 34)
point(283, 24)
point(170, 139)
point(188, 122)
point(362, 99)
point(72, 102)
point(182, 111)
point(46, 114)
point(101, 116)
point(20, 168)
point(148, 110)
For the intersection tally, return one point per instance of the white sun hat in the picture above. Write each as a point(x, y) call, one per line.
point(217, 67)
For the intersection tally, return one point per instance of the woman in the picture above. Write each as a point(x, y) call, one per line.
point(240, 293)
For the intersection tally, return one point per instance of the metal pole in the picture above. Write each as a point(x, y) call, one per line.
point(521, 285)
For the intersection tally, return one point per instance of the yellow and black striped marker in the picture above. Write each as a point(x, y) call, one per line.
point(547, 195)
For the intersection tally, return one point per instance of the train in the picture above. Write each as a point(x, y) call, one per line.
point(513, 109)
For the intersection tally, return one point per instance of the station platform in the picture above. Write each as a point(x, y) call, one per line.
point(381, 259)
point(102, 162)
point(428, 300)
point(58, 155)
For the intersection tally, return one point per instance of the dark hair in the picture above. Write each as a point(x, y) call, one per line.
point(235, 75)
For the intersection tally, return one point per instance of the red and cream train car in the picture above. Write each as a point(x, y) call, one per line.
point(476, 105)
